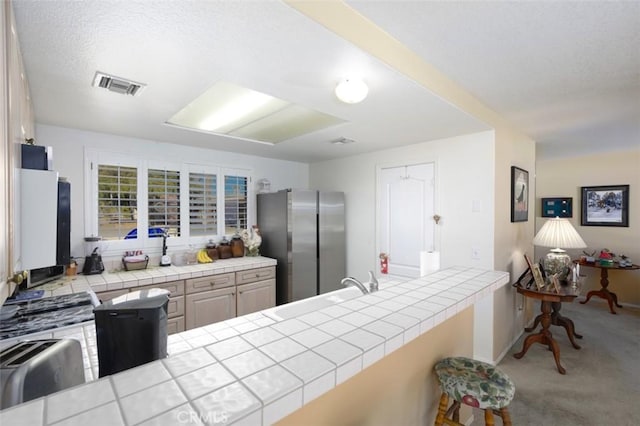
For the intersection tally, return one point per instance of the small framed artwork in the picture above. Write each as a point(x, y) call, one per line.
point(605, 205)
point(537, 276)
point(519, 195)
point(557, 207)
point(556, 283)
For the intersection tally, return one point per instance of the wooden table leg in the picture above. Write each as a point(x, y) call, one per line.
point(604, 293)
point(535, 324)
point(557, 319)
point(544, 337)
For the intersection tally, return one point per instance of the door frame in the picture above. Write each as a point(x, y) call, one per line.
point(436, 202)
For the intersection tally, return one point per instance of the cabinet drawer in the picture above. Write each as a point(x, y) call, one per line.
point(212, 282)
point(175, 308)
point(175, 325)
point(176, 288)
point(257, 274)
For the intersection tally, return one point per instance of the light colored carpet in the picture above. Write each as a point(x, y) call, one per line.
point(602, 384)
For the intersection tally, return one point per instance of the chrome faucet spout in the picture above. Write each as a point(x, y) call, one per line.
point(350, 281)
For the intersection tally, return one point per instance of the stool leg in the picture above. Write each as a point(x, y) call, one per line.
point(442, 409)
point(488, 417)
point(506, 418)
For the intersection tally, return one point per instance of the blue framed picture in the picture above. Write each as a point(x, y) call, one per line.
point(557, 207)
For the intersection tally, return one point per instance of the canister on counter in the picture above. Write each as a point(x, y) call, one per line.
point(212, 251)
point(237, 246)
point(224, 249)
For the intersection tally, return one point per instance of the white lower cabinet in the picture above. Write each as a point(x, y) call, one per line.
point(211, 306)
point(196, 302)
point(256, 296)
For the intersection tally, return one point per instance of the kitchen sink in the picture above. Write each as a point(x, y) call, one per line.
point(301, 307)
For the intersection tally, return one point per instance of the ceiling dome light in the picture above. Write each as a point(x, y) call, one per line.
point(351, 91)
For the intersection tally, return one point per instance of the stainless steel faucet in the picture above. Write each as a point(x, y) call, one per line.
point(348, 281)
point(373, 283)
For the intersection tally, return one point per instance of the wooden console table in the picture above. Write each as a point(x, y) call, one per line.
point(604, 293)
point(550, 301)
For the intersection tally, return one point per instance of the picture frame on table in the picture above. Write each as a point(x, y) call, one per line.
point(605, 205)
point(556, 283)
point(537, 276)
point(519, 194)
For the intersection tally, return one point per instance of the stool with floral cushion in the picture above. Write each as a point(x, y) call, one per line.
point(474, 383)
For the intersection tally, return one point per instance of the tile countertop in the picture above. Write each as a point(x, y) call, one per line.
point(108, 281)
point(255, 370)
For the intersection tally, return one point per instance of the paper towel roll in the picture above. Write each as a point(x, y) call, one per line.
point(429, 262)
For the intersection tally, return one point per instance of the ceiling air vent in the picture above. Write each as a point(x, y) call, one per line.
point(117, 84)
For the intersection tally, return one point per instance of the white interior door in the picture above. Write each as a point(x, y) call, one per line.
point(405, 216)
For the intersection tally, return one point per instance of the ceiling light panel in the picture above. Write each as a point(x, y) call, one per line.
point(228, 109)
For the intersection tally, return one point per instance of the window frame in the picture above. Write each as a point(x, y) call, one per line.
point(93, 158)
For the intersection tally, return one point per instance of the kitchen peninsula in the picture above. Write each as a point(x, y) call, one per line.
point(259, 368)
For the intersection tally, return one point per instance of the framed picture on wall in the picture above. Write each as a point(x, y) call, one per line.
point(519, 195)
point(557, 207)
point(605, 205)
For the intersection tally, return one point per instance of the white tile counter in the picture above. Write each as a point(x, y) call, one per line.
point(108, 281)
point(256, 369)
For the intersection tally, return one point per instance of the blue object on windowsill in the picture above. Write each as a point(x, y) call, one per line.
point(153, 233)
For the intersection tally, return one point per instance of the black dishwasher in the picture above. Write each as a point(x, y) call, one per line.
point(131, 330)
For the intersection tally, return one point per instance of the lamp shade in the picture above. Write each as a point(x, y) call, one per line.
point(558, 233)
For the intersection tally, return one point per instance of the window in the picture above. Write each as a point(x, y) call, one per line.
point(132, 198)
point(117, 201)
point(235, 203)
point(203, 204)
point(163, 192)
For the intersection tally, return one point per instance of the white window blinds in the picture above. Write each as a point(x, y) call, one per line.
point(117, 201)
point(203, 206)
point(235, 203)
point(164, 202)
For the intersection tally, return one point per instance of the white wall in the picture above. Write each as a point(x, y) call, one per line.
point(68, 159)
point(464, 173)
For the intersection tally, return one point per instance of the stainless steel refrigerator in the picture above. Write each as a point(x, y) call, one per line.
point(304, 231)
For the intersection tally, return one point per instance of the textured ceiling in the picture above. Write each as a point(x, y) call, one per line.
point(566, 74)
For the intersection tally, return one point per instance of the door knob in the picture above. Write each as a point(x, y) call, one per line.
point(18, 277)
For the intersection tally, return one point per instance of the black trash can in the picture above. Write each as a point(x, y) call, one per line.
point(131, 330)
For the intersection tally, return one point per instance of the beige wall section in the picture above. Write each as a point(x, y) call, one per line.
point(400, 389)
point(4, 164)
point(512, 240)
point(564, 177)
point(18, 124)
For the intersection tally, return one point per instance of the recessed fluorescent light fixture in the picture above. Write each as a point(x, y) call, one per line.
point(231, 110)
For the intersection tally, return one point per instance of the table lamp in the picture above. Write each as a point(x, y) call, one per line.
point(560, 234)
